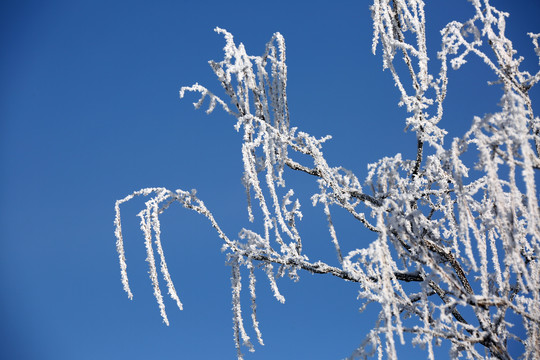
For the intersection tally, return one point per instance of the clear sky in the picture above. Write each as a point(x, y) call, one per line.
point(90, 112)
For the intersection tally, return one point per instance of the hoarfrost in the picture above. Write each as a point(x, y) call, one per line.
point(471, 245)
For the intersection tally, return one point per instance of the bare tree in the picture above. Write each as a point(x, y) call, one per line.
point(467, 246)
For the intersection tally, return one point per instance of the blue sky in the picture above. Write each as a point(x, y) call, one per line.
point(90, 113)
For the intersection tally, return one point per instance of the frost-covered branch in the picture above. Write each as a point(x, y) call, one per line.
point(450, 255)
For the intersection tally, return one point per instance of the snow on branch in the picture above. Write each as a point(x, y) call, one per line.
point(451, 249)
